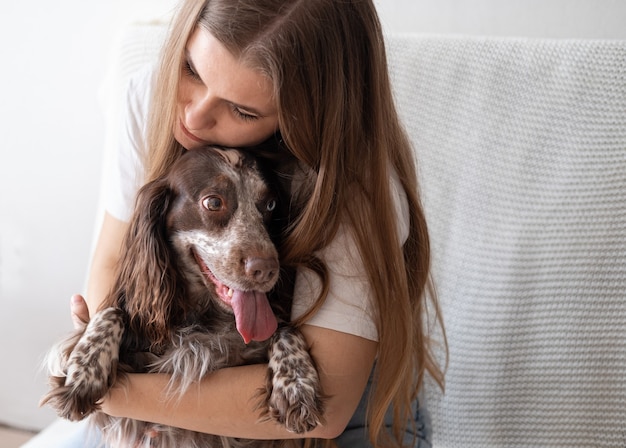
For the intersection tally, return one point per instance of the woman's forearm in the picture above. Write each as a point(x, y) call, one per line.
point(221, 404)
point(224, 402)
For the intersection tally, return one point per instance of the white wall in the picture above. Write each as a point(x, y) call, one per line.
point(54, 59)
point(530, 18)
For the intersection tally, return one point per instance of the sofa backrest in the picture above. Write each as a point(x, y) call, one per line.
point(521, 149)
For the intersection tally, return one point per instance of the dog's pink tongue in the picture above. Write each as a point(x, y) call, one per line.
point(253, 315)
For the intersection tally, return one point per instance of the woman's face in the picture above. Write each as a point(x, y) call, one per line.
point(220, 100)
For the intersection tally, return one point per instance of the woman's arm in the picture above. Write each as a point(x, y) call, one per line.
point(105, 258)
point(223, 402)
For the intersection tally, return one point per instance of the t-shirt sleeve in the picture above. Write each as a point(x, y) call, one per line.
point(124, 173)
point(349, 306)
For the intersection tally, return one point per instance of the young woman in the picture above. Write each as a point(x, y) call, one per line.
point(312, 73)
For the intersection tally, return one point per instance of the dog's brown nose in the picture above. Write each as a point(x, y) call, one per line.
point(261, 269)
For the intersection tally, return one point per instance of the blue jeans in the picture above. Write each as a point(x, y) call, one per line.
point(66, 434)
point(355, 434)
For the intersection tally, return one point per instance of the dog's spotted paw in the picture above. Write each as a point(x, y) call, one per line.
point(90, 368)
point(294, 396)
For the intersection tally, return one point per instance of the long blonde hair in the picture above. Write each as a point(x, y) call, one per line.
point(327, 62)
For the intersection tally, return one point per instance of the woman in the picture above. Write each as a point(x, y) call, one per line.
point(314, 73)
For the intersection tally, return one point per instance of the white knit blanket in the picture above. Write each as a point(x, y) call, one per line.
point(521, 146)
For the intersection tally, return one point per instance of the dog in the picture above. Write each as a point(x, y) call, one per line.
point(191, 297)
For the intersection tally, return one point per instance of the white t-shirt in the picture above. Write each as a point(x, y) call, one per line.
point(348, 307)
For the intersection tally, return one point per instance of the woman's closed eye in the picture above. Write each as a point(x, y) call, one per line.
point(242, 114)
point(189, 71)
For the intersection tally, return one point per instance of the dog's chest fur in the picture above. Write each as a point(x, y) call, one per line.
point(206, 341)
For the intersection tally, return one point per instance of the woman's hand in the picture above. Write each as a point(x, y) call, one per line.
point(79, 311)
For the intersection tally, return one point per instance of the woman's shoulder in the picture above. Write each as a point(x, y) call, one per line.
point(139, 90)
point(124, 143)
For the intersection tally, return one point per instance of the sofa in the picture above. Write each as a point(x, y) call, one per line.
point(521, 151)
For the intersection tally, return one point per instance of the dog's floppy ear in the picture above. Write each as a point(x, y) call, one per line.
point(148, 276)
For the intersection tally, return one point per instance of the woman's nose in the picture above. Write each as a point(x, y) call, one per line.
point(200, 113)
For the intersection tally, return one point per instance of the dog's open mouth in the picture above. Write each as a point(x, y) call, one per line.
point(254, 317)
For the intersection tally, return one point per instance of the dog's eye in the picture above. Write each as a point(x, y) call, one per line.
point(212, 203)
point(271, 205)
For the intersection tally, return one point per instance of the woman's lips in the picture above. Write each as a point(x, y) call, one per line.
point(190, 135)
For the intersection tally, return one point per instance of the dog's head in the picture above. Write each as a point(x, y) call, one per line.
point(220, 210)
point(205, 226)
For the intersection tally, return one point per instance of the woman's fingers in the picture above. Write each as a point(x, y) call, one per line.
point(79, 310)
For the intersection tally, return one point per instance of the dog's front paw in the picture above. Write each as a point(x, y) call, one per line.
point(294, 395)
point(90, 368)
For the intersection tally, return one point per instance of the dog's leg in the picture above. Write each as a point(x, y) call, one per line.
point(293, 396)
point(90, 368)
